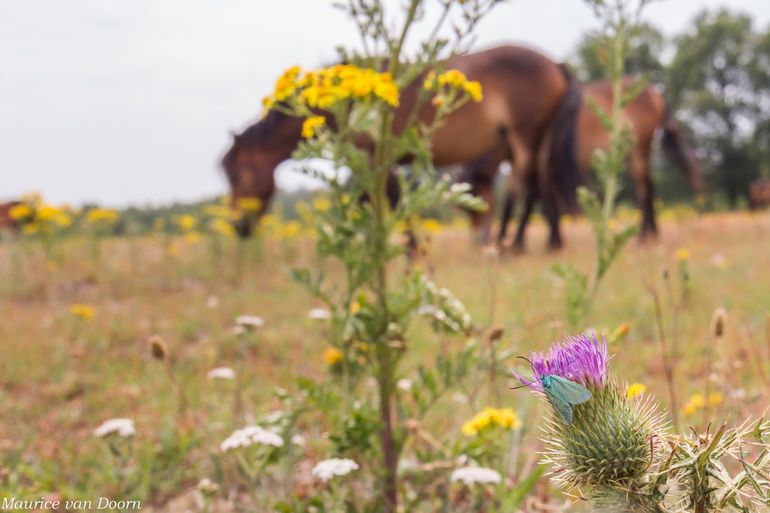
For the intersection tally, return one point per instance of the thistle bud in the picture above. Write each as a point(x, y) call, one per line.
point(602, 443)
point(158, 347)
point(495, 333)
point(718, 322)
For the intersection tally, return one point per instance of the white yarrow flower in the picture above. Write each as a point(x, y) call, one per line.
point(298, 440)
point(472, 475)
point(251, 435)
point(251, 322)
point(327, 469)
point(405, 385)
point(207, 487)
point(120, 427)
point(221, 373)
point(319, 314)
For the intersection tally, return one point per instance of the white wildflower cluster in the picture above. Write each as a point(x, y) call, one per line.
point(476, 475)
point(119, 427)
point(319, 314)
point(207, 487)
point(251, 435)
point(221, 373)
point(244, 323)
point(404, 384)
point(443, 307)
point(328, 469)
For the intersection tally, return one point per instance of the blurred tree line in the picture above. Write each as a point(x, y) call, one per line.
point(716, 80)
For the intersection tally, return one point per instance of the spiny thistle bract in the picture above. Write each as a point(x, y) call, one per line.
point(609, 446)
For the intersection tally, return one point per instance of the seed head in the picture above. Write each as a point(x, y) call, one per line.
point(158, 347)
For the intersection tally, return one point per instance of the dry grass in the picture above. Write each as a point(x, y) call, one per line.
point(60, 376)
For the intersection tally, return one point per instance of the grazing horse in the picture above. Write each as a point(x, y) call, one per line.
point(644, 116)
point(759, 194)
point(529, 102)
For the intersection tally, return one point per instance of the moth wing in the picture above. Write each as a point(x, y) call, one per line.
point(569, 392)
point(562, 408)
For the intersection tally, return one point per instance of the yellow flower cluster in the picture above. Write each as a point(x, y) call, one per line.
point(322, 204)
point(249, 204)
point(218, 211)
point(454, 79)
point(635, 389)
point(332, 355)
point(185, 222)
point(80, 311)
point(682, 255)
point(431, 226)
point(222, 227)
point(697, 402)
point(324, 87)
point(505, 418)
point(311, 125)
point(102, 215)
point(20, 212)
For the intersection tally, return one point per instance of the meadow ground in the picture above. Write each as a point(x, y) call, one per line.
point(62, 375)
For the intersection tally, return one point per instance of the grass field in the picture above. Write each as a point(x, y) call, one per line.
point(62, 375)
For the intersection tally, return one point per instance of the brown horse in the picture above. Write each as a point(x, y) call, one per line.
point(529, 101)
point(644, 116)
point(759, 194)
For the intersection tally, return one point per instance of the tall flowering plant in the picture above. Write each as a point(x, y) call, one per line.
point(349, 117)
point(620, 19)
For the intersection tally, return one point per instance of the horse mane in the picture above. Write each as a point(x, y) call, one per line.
point(260, 131)
point(255, 134)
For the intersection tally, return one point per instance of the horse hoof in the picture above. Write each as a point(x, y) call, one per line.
point(555, 246)
point(518, 248)
point(648, 235)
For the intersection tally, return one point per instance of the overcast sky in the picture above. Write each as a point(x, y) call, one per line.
point(131, 101)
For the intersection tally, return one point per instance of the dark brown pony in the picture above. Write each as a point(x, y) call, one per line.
point(645, 115)
point(759, 194)
point(528, 102)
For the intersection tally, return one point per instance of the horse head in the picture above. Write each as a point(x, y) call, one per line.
point(249, 165)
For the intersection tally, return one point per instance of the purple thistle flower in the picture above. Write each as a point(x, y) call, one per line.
point(582, 359)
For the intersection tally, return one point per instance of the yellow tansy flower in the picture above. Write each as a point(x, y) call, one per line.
point(332, 355)
point(82, 311)
point(635, 389)
point(682, 255)
point(489, 417)
point(98, 215)
point(20, 212)
point(311, 125)
point(249, 204)
point(322, 204)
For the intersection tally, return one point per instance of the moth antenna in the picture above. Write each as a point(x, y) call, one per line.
point(528, 361)
point(532, 366)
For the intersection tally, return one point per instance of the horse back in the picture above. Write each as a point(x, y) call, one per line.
point(644, 115)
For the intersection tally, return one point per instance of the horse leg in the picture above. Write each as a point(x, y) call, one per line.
point(505, 217)
point(486, 224)
point(529, 202)
point(551, 212)
point(521, 180)
point(645, 195)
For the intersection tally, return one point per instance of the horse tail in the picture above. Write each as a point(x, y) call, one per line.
point(679, 152)
point(561, 140)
